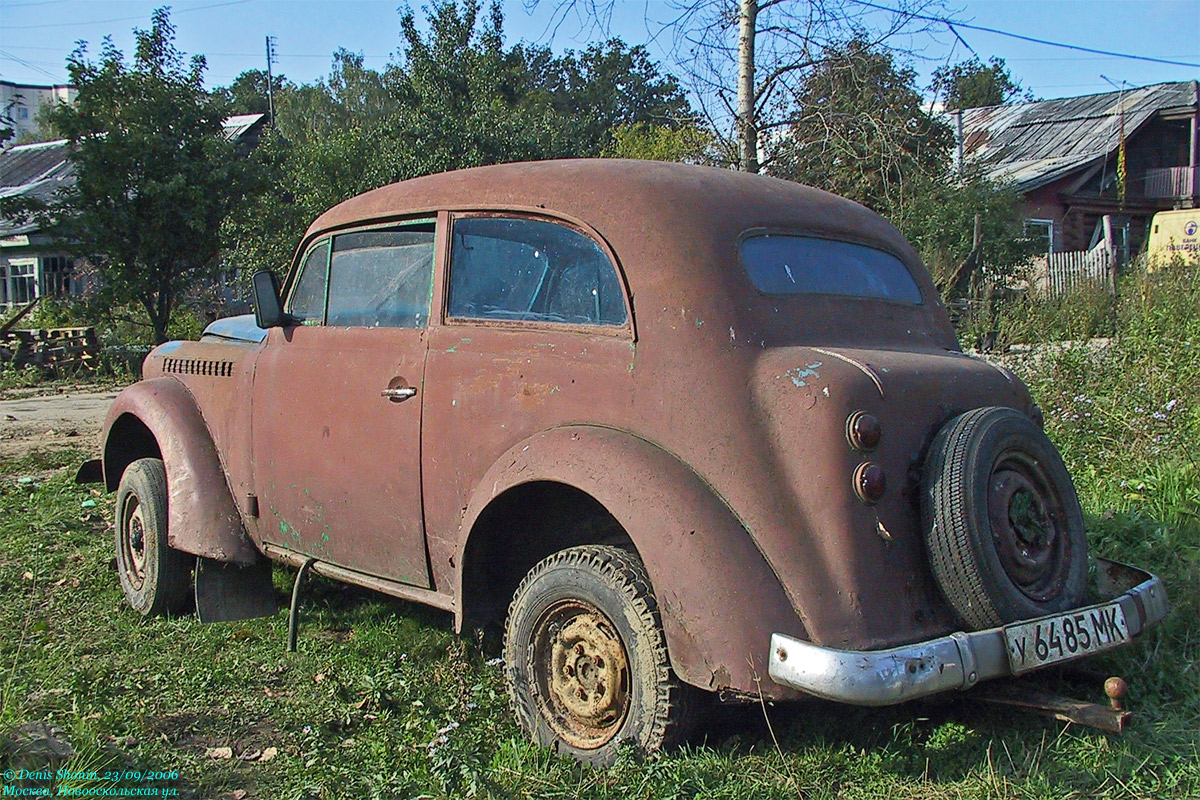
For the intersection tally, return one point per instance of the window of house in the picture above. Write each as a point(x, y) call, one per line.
point(780, 264)
point(531, 270)
point(1041, 230)
point(22, 280)
point(57, 272)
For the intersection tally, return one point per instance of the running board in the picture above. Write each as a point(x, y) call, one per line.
point(403, 591)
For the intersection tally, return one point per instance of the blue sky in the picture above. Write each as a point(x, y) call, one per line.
point(37, 35)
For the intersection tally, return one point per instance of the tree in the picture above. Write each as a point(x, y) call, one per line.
point(154, 174)
point(862, 132)
point(690, 144)
point(456, 97)
point(248, 92)
point(972, 84)
point(746, 61)
point(611, 86)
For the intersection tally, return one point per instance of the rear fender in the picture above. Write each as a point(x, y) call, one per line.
point(201, 516)
point(720, 601)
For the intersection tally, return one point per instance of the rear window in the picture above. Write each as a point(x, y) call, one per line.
point(784, 265)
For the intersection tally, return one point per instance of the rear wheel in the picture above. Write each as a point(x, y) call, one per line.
point(1003, 524)
point(586, 659)
point(156, 578)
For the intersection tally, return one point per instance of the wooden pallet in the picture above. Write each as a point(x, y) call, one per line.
point(50, 349)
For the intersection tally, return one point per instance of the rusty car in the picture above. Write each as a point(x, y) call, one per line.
point(680, 432)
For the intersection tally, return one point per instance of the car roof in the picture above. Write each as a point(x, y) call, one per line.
point(627, 201)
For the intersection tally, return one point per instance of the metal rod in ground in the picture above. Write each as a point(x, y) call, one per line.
point(294, 611)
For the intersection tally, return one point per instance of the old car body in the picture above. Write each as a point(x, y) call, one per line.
point(673, 410)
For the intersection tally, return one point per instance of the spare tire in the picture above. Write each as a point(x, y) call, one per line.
point(1002, 521)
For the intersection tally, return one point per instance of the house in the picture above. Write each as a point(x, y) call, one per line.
point(31, 263)
point(21, 103)
point(1065, 157)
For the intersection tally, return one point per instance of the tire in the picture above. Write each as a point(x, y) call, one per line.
point(586, 659)
point(156, 578)
point(1002, 521)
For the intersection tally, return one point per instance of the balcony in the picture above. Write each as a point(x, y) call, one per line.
point(1171, 182)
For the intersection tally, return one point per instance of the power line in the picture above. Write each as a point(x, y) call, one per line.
point(118, 19)
point(952, 24)
point(31, 65)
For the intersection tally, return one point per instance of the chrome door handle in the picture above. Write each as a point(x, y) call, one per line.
point(399, 394)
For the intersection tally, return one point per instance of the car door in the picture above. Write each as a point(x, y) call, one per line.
point(337, 405)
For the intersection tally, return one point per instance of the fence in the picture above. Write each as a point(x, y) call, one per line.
point(1171, 182)
point(1065, 272)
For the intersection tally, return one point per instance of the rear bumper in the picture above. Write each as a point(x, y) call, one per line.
point(957, 661)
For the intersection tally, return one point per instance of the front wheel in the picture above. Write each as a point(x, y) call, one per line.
point(586, 659)
point(156, 578)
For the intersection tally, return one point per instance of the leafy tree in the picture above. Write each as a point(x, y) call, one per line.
point(973, 84)
point(690, 144)
point(464, 100)
point(861, 131)
point(456, 97)
point(746, 58)
point(609, 86)
point(248, 92)
point(154, 175)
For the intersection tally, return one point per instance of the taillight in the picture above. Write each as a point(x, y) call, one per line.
point(870, 483)
point(863, 431)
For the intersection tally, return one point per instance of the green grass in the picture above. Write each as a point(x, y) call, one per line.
point(384, 701)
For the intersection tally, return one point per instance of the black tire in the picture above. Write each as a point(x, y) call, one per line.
point(1002, 521)
point(591, 611)
point(156, 578)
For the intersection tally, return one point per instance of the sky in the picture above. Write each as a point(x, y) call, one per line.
point(36, 36)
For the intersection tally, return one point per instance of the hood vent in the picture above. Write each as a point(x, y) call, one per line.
point(198, 366)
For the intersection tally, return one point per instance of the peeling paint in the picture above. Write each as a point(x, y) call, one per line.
point(798, 374)
point(452, 348)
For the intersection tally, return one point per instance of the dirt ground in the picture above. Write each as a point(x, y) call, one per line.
point(54, 417)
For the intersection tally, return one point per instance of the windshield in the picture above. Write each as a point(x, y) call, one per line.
point(780, 264)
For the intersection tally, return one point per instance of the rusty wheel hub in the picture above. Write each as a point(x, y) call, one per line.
point(1026, 519)
point(133, 540)
point(582, 673)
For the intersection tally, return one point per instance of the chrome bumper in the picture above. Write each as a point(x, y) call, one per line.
point(957, 661)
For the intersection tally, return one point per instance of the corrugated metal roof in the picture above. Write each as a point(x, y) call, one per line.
point(1033, 144)
point(27, 163)
point(237, 126)
point(37, 170)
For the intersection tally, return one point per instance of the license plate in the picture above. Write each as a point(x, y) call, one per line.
point(1065, 636)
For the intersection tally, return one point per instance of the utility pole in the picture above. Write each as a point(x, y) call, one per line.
point(270, 81)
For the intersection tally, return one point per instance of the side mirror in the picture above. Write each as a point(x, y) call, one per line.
point(268, 308)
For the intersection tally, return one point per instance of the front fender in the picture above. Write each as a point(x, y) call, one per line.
point(201, 515)
point(719, 599)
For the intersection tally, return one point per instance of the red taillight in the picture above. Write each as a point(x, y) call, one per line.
point(870, 483)
point(863, 431)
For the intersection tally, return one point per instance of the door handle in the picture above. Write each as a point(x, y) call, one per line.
point(402, 393)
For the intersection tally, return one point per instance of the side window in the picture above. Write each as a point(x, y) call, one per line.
point(525, 269)
point(382, 278)
point(307, 302)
